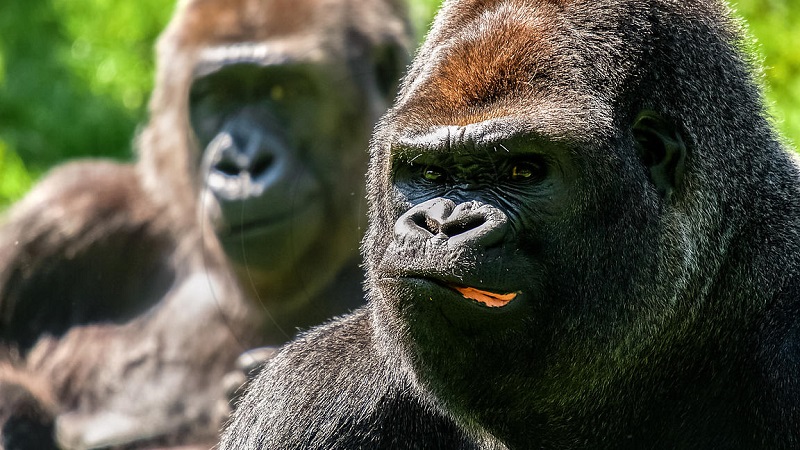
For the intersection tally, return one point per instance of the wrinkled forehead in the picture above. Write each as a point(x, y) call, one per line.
point(502, 59)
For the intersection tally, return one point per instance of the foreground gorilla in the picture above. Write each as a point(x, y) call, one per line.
point(583, 234)
point(118, 304)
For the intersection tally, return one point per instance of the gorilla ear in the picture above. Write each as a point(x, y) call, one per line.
point(388, 63)
point(661, 150)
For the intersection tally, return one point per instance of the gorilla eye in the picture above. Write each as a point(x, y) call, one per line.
point(533, 169)
point(291, 90)
point(277, 93)
point(433, 173)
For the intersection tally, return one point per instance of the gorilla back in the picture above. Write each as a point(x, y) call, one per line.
point(583, 234)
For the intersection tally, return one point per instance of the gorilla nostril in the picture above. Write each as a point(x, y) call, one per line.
point(227, 167)
point(425, 222)
point(261, 164)
point(431, 225)
point(457, 227)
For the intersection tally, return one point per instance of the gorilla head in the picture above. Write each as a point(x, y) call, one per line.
point(280, 98)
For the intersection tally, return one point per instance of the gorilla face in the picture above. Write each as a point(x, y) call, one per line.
point(473, 213)
point(474, 261)
point(266, 167)
point(283, 121)
point(484, 211)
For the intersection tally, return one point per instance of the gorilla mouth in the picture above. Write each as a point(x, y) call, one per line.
point(490, 299)
point(255, 227)
point(255, 224)
point(479, 297)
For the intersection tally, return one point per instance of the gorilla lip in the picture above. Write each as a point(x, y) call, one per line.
point(490, 299)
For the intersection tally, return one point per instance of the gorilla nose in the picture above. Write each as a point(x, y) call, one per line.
point(473, 223)
point(253, 155)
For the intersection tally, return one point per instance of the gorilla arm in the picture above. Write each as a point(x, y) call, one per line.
point(107, 310)
point(137, 383)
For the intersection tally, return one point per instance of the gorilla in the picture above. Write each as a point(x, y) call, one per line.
point(127, 291)
point(583, 233)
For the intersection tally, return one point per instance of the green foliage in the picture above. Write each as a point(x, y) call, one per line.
point(114, 56)
point(14, 178)
point(422, 12)
point(774, 25)
point(75, 75)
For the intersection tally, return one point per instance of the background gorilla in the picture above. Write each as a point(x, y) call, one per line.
point(583, 234)
point(284, 116)
point(116, 289)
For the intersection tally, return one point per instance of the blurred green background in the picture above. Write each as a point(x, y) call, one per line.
point(75, 76)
